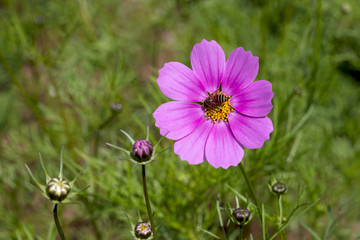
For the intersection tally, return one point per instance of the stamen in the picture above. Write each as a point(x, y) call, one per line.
point(219, 108)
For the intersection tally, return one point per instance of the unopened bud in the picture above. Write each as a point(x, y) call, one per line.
point(116, 107)
point(279, 188)
point(298, 91)
point(58, 189)
point(142, 230)
point(241, 214)
point(142, 150)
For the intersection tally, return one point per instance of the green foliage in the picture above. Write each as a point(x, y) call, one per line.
point(62, 63)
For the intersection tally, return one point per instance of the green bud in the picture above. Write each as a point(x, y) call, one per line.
point(115, 107)
point(279, 188)
point(241, 215)
point(58, 189)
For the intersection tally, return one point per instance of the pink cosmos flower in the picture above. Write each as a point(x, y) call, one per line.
point(218, 108)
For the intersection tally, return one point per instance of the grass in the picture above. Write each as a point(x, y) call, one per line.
point(62, 63)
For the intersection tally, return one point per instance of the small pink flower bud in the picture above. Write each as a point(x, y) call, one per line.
point(142, 150)
point(142, 230)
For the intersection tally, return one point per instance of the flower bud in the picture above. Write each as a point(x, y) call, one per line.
point(116, 107)
point(142, 230)
point(58, 189)
point(142, 150)
point(298, 91)
point(241, 215)
point(279, 188)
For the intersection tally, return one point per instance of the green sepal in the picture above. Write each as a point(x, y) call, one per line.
point(78, 175)
point(155, 155)
point(61, 163)
point(48, 178)
point(142, 163)
point(128, 136)
point(119, 148)
point(157, 144)
point(33, 188)
point(243, 198)
point(68, 201)
point(147, 133)
point(42, 187)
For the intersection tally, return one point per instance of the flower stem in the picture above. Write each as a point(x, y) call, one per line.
point(57, 223)
point(240, 233)
point(148, 203)
point(282, 234)
point(251, 188)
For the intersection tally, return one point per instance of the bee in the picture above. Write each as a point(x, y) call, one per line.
point(215, 99)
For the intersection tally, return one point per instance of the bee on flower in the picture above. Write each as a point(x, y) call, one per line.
point(218, 109)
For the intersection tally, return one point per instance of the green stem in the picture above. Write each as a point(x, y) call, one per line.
point(282, 234)
point(240, 233)
point(251, 188)
point(253, 195)
point(280, 211)
point(57, 223)
point(148, 203)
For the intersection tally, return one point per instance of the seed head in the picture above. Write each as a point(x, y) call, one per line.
point(142, 230)
point(58, 189)
point(142, 150)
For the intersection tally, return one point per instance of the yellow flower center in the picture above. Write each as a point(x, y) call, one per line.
point(217, 106)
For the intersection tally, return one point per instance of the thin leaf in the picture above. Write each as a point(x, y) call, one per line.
point(210, 233)
point(288, 222)
point(333, 221)
point(220, 217)
point(311, 231)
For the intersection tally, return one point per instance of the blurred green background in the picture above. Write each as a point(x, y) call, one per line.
point(62, 63)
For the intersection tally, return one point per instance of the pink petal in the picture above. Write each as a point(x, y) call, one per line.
point(255, 100)
point(208, 62)
point(250, 132)
point(192, 147)
point(222, 148)
point(177, 118)
point(179, 82)
point(241, 69)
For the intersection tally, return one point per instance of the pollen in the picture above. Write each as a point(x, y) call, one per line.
point(220, 108)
